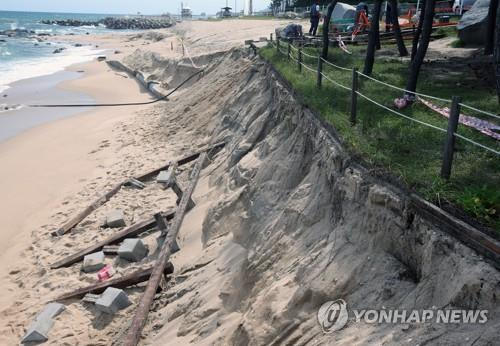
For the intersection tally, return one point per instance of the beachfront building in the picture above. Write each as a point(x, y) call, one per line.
point(248, 8)
point(186, 12)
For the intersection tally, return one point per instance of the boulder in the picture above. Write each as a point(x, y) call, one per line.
point(472, 25)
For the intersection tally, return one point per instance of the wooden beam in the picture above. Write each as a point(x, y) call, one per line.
point(186, 159)
point(134, 332)
point(69, 225)
point(131, 231)
point(122, 282)
point(86, 212)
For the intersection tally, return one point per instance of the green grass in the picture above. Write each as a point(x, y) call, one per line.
point(400, 147)
point(458, 44)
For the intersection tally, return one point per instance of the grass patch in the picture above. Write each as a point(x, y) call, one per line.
point(458, 44)
point(395, 145)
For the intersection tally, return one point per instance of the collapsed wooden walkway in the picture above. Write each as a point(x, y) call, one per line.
point(168, 223)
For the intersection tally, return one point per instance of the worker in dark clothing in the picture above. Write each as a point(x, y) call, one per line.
point(315, 15)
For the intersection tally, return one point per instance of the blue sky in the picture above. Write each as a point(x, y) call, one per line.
point(123, 6)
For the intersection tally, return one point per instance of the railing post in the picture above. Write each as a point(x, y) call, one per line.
point(271, 37)
point(299, 60)
point(278, 43)
point(449, 145)
point(354, 96)
point(289, 50)
point(320, 69)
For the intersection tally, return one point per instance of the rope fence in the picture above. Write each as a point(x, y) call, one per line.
point(453, 119)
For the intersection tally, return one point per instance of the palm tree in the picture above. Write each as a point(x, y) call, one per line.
point(326, 24)
point(397, 30)
point(418, 59)
point(373, 38)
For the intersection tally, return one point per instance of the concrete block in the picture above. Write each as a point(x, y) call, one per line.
point(166, 177)
point(115, 218)
point(93, 262)
point(39, 329)
point(112, 300)
point(50, 311)
point(132, 250)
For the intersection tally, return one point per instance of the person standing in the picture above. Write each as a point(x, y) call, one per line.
point(315, 15)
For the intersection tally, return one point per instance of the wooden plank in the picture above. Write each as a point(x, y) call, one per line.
point(86, 212)
point(186, 159)
point(131, 231)
point(122, 282)
point(134, 332)
point(468, 235)
point(107, 196)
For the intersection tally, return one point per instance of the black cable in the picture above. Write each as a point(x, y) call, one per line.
point(122, 104)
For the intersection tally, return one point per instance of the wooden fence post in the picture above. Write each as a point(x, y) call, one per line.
point(271, 37)
point(449, 145)
point(354, 96)
point(278, 43)
point(320, 69)
point(289, 50)
point(299, 60)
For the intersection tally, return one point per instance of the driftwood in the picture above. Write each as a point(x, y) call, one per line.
point(131, 231)
point(134, 332)
point(143, 177)
point(122, 282)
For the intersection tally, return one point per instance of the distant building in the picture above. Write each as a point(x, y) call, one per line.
point(248, 8)
point(186, 12)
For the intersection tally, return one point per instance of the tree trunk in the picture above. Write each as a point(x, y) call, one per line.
point(490, 29)
point(496, 56)
point(416, 37)
point(372, 38)
point(326, 24)
point(422, 46)
point(397, 30)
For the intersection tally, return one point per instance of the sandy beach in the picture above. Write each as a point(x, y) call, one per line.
point(283, 221)
point(52, 170)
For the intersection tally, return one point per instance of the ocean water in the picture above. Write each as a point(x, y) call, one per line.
point(25, 57)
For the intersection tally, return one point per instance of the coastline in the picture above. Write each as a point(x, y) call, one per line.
point(45, 164)
point(53, 170)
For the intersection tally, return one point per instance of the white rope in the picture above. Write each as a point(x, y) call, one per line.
point(480, 111)
point(187, 53)
point(400, 114)
point(334, 82)
point(308, 68)
point(476, 143)
point(293, 47)
point(336, 66)
point(309, 56)
point(406, 91)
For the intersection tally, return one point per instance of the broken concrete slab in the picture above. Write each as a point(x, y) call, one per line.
point(132, 250)
point(39, 329)
point(166, 177)
point(115, 218)
point(112, 300)
point(93, 262)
